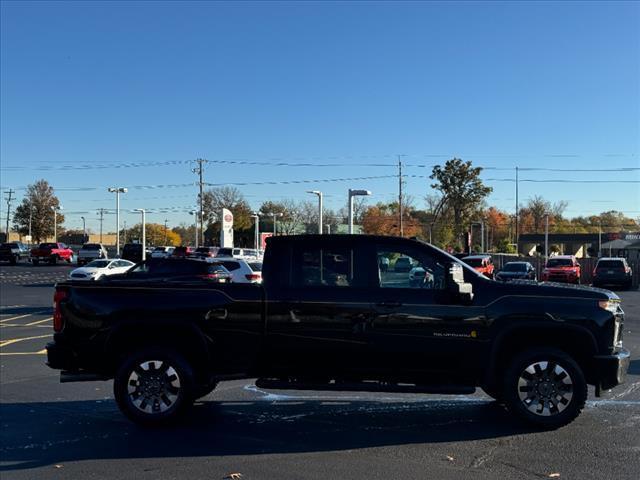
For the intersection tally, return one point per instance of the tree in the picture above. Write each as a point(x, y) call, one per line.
point(215, 199)
point(37, 203)
point(187, 233)
point(155, 235)
point(462, 190)
point(290, 217)
point(382, 219)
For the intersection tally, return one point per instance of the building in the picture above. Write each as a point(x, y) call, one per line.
point(582, 245)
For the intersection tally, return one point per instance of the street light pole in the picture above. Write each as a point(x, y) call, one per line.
point(319, 194)
point(195, 216)
point(256, 218)
point(144, 234)
point(546, 237)
point(117, 191)
point(84, 230)
point(274, 215)
point(354, 193)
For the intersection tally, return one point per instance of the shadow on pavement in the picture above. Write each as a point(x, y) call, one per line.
point(40, 434)
point(634, 367)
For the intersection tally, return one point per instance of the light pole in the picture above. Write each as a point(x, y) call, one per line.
point(275, 215)
point(546, 236)
point(319, 194)
point(84, 230)
point(55, 221)
point(195, 216)
point(144, 233)
point(30, 220)
point(117, 191)
point(256, 218)
point(600, 238)
point(328, 225)
point(354, 193)
point(481, 223)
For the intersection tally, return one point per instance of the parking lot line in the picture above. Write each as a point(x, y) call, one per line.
point(16, 340)
point(41, 352)
point(14, 318)
point(38, 321)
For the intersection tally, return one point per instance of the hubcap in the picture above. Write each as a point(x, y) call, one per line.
point(154, 386)
point(545, 388)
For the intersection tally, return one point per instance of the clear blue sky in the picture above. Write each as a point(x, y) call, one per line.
point(553, 85)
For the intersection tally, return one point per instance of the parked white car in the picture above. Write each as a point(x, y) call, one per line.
point(100, 268)
point(242, 271)
point(249, 254)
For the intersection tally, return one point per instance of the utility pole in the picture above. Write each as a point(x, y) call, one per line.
point(401, 226)
point(165, 230)
point(9, 199)
point(101, 212)
point(199, 170)
point(517, 212)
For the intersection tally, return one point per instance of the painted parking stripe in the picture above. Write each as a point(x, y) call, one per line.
point(41, 352)
point(38, 321)
point(14, 318)
point(16, 340)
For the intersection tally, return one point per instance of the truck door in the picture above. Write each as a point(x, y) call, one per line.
point(317, 316)
point(418, 332)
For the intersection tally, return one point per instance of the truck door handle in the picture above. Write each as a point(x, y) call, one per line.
point(393, 304)
point(217, 314)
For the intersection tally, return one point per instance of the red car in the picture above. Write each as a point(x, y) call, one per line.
point(481, 263)
point(52, 253)
point(562, 268)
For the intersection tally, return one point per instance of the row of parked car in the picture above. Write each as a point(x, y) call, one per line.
point(235, 265)
point(609, 271)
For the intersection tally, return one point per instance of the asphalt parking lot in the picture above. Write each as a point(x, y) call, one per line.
point(53, 430)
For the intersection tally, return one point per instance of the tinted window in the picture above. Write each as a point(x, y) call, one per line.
point(132, 248)
point(255, 266)
point(230, 265)
point(202, 249)
point(330, 267)
point(91, 246)
point(98, 263)
point(225, 252)
point(473, 262)
point(424, 271)
point(610, 264)
point(559, 262)
point(515, 267)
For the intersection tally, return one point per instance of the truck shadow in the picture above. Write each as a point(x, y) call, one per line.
point(41, 434)
point(634, 367)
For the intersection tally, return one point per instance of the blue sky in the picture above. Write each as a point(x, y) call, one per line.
point(551, 85)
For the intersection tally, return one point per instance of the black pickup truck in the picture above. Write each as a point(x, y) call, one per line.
point(328, 316)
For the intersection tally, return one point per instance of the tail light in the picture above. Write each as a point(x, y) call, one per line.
point(254, 277)
point(627, 270)
point(58, 297)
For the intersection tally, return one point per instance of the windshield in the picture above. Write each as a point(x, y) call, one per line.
point(559, 262)
point(610, 264)
point(515, 267)
point(99, 264)
point(202, 249)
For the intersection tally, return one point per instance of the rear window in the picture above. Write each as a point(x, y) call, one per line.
point(610, 264)
point(230, 265)
point(225, 252)
point(330, 267)
point(515, 267)
point(132, 248)
point(203, 249)
point(180, 249)
point(91, 246)
point(560, 262)
point(473, 262)
point(48, 245)
point(255, 266)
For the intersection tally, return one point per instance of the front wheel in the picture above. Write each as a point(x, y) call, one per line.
point(154, 386)
point(545, 387)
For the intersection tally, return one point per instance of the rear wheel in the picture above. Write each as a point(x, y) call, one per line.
point(545, 387)
point(154, 386)
point(54, 260)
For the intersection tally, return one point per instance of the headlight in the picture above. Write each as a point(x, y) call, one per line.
point(609, 305)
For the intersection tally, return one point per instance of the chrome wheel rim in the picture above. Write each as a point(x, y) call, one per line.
point(545, 388)
point(153, 386)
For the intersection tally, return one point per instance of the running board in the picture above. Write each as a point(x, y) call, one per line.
point(372, 386)
point(68, 377)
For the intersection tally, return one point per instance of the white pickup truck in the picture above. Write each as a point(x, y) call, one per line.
point(90, 252)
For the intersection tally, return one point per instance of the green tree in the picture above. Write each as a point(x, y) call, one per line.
point(38, 203)
point(462, 191)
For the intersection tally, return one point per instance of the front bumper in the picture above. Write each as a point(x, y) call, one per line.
point(611, 370)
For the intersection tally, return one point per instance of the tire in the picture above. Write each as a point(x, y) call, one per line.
point(154, 386)
point(54, 260)
point(13, 260)
point(537, 395)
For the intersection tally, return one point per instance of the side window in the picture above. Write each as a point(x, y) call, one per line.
point(323, 267)
point(403, 268)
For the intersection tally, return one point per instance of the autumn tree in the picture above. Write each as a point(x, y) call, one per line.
point(155, 234)
point(382, 219)
point(215, 199)
point(37, 207)
point(462, 191)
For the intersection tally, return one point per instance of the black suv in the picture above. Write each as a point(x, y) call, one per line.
point(612, 272)
point(13, 252)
